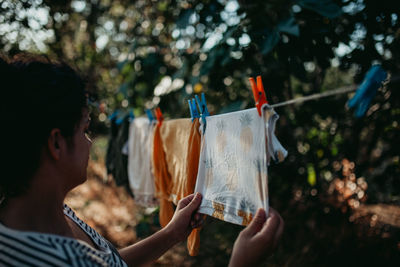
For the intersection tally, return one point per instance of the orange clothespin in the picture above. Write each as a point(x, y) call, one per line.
point(159, 116)
point(258, 92)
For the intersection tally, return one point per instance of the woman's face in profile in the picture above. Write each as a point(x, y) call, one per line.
point(80, 151)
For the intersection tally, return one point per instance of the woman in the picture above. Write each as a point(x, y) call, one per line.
point(45, 119)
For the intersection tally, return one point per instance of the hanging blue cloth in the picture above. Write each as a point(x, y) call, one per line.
point(367, 90)
point(114, 115)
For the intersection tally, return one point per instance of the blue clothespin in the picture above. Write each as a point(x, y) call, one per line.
point(193, 109)
point(202, 105)
point(131, 115)
point(149, 115)
point(196, 113)
point(117, 116)
point(367, 90)
point(203, 109)
point(119, 119)
point(113, 115)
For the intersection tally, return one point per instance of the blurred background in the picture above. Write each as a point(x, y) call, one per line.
point(339, 188)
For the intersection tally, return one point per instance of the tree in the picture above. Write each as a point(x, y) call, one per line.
point(159, 53)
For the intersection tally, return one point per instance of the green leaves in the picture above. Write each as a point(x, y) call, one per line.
point(270, 40)
point(326, 8)
point(290, 26)
point(184, 18)
point(312, 176)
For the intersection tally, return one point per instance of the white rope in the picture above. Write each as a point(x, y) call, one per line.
point(341, 90)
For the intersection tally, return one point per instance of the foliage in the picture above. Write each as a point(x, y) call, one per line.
point(144, 54)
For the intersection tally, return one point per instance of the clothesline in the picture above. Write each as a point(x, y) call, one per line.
point(340, 90)
point(227, 164)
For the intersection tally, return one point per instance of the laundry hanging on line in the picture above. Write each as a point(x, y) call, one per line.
point(233, 168)
point(373, 80)
point(116, 157)
point(175, 161)
point(176, 151)
point(140, 173)
point(223, 203)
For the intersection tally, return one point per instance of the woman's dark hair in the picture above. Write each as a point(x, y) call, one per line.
point(37, 95)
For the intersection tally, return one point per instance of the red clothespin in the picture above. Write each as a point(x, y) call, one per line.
point(258, 92)
point(159, 116)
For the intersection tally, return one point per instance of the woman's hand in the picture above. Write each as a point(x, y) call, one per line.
point(258, 240)
point(185, 218)
point(182, 223)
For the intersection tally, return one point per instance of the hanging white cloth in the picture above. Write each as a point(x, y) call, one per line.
point(141, 179)
point(233, 167)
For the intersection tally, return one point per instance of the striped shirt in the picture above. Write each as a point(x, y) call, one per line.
point(21, 248)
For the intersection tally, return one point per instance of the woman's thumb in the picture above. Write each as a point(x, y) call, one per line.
point(257, 223)
point(194, 204)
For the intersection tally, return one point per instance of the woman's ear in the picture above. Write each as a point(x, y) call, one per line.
point(55, 143)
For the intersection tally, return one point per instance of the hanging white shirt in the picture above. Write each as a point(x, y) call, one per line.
point(141, 179)
point(233, 167)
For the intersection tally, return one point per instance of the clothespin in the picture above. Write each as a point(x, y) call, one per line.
point(193, 109)
point(113, 115)
point(202, 105)
point(149, 115)
point(367, 90)
point(203, 109)
point(159, 116)
point(119, 118)
point(196, 113)
point(131, 115)
point(258, 92)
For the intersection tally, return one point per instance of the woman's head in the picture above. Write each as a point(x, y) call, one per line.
point(38, 95)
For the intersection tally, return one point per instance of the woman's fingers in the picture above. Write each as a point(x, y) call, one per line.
point(257, 223)
point(185, 201)
point(270, 227)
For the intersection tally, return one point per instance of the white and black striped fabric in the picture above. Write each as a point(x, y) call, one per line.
point(20, 248)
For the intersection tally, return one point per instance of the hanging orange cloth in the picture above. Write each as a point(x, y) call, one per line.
point(162, 179)
point(180, 140)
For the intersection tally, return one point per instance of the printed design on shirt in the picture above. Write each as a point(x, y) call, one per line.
point(220, 190)
point(219, 207)
point(247, 217)
point(208, 163)
point(232, 172)
point(246, 134)
point(218, 210)
point(247, 204)
point(247, 207)
point(221, 137)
